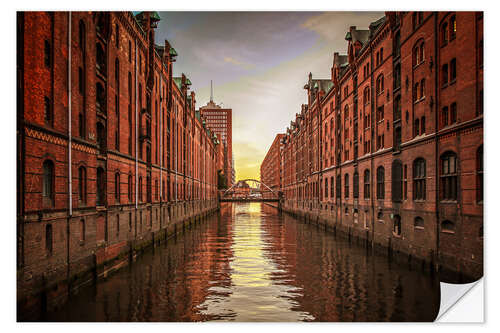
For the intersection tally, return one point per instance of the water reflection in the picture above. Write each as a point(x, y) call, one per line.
point(250, 264)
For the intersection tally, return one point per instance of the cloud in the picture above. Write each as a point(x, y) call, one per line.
point(238, 63)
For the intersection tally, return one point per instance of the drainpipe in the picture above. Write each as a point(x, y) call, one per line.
point(70, 180)
point(136, 131)
point(373, 173)
point(69, 119)
point(436, 136)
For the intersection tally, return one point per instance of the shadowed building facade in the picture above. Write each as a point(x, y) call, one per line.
point(111, 153)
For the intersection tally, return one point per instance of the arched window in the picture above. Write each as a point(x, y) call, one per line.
point(100, 98)
point(117, 225)
point(449, 176)
point(129, 51)
point(444, 75)
point(397, 181)
point(101, 137)
point(366, 189)
point(448, 227)
point(130, 87)
point(117, 75)
point(346, 112)
point(380, 216)
point(397, 225)
point(48, 239)
point(82, 230)
point(397, 44)
point(479, 173)
point(100, 59)
point(419, 172)
point(332, 192)
point(82, 184)
point(444, 33)
point(453, 70)
point(117, 187)
point(418, 53)
point(416, 127)
point(101, 187)
point(47, 54)
point(47, 111)
point(422, 88)
point(346, 185)
point(380, 182)
point(453, 113)
point(81, 34)
point(444, 116)
point(380, 84)
point(130, 191)
point(326, 187)
point(117, 36)
point(338, 186)
point(140, 189)
point(415, 92)
point(418, 223)
point(355, 185)
point(397, 76)
point(48, 183)
point(453, 27)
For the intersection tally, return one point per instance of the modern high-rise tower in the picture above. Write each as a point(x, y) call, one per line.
point(220, 121)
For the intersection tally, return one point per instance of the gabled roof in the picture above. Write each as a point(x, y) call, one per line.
point(178, 82)
point(375, 25)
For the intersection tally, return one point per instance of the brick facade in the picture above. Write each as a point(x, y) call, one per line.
point(271, 172)
point(142, 161)
point(389, 148)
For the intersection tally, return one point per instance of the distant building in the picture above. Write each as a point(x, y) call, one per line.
point(219, 120)
point(271, 171)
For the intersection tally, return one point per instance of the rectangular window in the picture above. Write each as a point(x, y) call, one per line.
point(453, 70)
point(444, 75)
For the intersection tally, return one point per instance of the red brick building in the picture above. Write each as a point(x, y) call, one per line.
point(390, 147)
point(220, 121)
point(141, 160)
point(271, 171)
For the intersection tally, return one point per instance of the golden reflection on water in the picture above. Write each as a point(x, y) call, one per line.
point(254, 295)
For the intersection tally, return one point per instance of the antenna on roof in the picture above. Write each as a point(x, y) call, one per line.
point(211, 92)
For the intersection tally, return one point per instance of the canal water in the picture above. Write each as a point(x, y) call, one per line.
point(249, 263)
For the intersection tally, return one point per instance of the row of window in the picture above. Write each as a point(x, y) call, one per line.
point(48, 185)
point(448, 180)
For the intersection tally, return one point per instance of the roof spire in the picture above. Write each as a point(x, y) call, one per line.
point(211, 92)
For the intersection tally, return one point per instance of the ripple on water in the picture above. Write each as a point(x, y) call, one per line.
point(251, 264)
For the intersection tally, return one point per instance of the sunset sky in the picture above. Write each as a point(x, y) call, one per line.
point(259, 62)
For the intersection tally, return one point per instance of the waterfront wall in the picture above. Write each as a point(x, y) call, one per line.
point(412, 244)
point(113, 237)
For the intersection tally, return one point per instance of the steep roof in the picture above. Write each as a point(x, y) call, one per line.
point(178, 82)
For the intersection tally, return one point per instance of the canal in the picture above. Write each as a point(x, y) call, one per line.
point(250, 263)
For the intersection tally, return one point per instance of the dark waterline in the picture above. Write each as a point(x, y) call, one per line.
point(250, 264)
